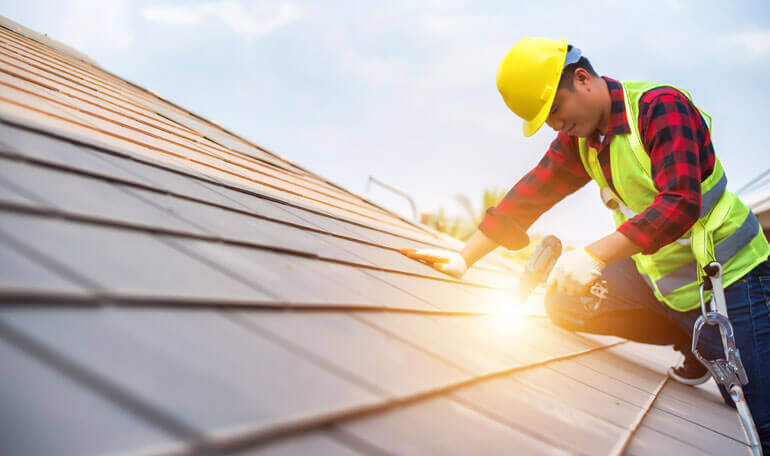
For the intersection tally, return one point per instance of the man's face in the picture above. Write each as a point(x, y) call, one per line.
point(574, 111)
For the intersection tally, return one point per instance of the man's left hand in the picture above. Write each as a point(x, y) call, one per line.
point(574, 273)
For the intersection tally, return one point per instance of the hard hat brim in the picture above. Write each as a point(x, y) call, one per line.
point(530, 127)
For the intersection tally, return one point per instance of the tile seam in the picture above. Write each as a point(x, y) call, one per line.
point(625, 441)
point(246, 436)
point(54, 213)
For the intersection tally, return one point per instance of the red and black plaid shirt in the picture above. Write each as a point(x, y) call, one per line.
point(682, 156)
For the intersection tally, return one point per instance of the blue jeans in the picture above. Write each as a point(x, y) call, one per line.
point(631, 311)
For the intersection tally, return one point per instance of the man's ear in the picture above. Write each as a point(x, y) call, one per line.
point(582, 79)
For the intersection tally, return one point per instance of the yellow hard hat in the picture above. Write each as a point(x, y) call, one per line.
point(528, 77)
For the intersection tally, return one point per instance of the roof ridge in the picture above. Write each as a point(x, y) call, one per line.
point(46, 40)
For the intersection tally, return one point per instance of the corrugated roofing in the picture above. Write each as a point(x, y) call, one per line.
point(168, 287)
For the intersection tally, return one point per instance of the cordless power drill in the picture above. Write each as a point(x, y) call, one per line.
point(539, 266)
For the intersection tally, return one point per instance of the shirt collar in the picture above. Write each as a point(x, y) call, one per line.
point(618, 123)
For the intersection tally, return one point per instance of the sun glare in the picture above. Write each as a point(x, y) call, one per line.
point(507, 311)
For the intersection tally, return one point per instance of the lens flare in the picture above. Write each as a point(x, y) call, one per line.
point(507, 311)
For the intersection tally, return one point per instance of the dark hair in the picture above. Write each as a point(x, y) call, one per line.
point(568, 72)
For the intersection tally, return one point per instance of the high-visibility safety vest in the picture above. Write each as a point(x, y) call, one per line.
point(727, 231)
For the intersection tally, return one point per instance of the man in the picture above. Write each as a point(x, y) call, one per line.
point(649, 149)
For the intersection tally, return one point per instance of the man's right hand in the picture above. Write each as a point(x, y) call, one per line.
point(446, 261)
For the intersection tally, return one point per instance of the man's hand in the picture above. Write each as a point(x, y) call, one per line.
point(574, 273)
point(446, 261)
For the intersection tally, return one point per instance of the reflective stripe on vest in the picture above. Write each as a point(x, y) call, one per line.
point(711, 197)
point(723, 251)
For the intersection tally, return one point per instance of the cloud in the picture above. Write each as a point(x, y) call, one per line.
point(174, 15)
point(438, 24)
point(375, 71)
point(674, 4)
point(753, 40)
point(253, 21)
point(82, 20)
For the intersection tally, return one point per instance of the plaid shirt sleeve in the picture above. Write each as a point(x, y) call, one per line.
point(558, 174)
point(679, 144)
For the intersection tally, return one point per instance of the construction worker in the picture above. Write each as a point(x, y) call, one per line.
point(649, 149)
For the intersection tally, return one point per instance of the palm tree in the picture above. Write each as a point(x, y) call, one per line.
point(462, 227)
point(490, 198)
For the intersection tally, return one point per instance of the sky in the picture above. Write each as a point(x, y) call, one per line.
point(405, 90)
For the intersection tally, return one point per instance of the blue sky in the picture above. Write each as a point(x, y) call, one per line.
point(405, 90)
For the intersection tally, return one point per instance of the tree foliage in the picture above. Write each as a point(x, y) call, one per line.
point(461, 227)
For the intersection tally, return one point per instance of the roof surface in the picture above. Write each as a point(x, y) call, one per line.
point(168, 287)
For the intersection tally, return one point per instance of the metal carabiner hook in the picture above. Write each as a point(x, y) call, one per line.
point(703, 309)
point(728, 371)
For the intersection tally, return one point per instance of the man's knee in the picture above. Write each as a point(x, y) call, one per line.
point(560, 308)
